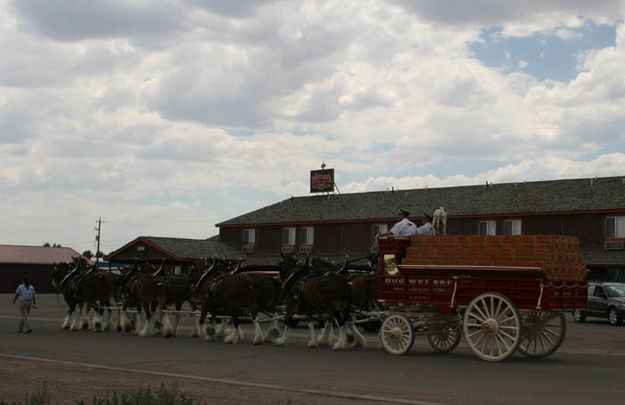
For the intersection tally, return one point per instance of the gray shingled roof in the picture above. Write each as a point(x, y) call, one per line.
point(598, 194)
point(195, 248)
point(594, 256)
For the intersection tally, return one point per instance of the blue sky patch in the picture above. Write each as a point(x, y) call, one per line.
point(543, 55)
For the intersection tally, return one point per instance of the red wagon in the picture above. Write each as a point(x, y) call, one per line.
point(504, 293)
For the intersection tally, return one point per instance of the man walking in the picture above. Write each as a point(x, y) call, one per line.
point(26, 295)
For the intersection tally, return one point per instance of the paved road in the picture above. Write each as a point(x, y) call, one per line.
point(588, 368)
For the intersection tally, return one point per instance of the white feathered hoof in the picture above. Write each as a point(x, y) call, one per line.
point(258, 340)
point(279, 342)
point(272, 335)
point(339, 346)
point(312, 344)
point(231, 339)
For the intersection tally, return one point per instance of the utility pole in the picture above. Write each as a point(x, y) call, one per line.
point(97, 239)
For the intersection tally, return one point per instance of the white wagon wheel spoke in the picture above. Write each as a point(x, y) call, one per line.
point(397, 334)
point(497, 335)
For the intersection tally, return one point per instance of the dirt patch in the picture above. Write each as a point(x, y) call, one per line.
point(67, 384)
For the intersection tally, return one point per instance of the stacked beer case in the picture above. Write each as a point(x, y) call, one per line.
point(558, 256)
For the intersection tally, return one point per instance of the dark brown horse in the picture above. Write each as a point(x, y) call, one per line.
point(173, 290)
point(231, 294)
point(86, 288)
point(138, 291)
point(208, 270)
point(312, 291)
point(268, 291)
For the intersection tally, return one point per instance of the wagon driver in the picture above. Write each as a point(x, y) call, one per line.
point(26, 294)
point(405, 227)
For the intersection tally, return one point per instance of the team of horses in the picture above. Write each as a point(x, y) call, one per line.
point(145, 296)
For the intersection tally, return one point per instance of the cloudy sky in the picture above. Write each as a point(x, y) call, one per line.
point(166, 117)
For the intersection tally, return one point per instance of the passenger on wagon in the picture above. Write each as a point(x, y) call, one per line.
point(405, 227)
point(426, 228)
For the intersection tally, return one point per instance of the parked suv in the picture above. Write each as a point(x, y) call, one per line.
point(605, 299)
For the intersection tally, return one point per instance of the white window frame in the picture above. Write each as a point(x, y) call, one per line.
point(289, 246)
point(290, 237)
point(618, 227)
point(491, 228)
point(309, 239)
point(249, 239)
point(516, 227)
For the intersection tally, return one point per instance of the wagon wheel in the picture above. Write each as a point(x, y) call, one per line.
point(397, 335)
point(444, 334)
point(542, 333)
point(492, 327)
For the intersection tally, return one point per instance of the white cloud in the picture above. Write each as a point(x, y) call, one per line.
point(201, 111)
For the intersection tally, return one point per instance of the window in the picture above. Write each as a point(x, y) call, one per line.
point(615, 227)
point(249, 239)
point(599, 292)
point(378, 229)
point(288, 239)
point(306, 238)
point(487, 228)
point(512, 227)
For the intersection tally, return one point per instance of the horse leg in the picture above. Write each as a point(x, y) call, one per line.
point(75, 318)
point(359, 339)
point(327, 334)
point(97, 320)
point(123, 322)
point(148, 329)
point(235, 336)
point(106, 318)
point(197, 327)
point(138, 316)
point(176, 318)
point(66, 320)
point(168, 329)
point(211, 332)
point(198, 330)
point(273, 332)
point(313, 342)
point(84, 313)
point(341, 343)
point(288, 317)
point(221, 331)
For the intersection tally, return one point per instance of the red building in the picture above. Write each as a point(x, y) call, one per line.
point(34, 262)
point(335, 225)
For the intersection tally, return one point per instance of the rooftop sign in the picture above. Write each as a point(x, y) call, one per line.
point(322, 181)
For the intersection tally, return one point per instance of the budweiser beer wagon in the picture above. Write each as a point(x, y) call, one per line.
point(503, 293)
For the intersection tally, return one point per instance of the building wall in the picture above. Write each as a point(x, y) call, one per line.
point(356, 238)
point(39, 275)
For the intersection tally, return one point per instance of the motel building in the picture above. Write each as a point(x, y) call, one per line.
point(333, 225)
